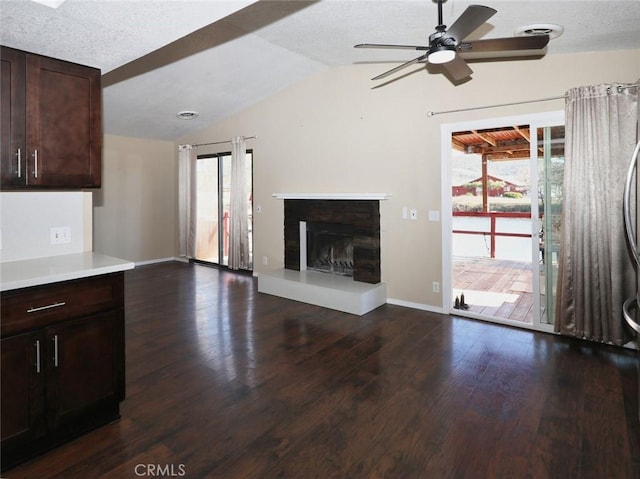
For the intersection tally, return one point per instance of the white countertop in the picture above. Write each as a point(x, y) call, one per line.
point(51, 269)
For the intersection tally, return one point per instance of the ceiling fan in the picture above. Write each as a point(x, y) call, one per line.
point(447, 46)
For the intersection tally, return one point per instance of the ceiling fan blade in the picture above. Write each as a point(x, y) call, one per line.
point(471, 19)
point(535, 42)
point(400, 67)
point(457, 68)
point(380, 45)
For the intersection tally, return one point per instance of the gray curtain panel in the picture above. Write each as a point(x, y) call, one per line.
point(187, 196)
point(596, 274)
point(239, 257)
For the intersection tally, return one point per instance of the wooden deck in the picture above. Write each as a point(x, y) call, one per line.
point(498, 288)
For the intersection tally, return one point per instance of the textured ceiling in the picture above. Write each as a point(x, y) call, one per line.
point(239, 52)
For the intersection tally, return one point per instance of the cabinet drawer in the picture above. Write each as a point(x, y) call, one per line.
point(39, 306)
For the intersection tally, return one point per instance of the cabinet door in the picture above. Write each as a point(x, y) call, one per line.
point(22, 391)
point(85, 368)
point(63, 123)
point(12, 120)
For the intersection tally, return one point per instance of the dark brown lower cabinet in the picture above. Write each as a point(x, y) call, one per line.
point(22, 390)
point(63, 374)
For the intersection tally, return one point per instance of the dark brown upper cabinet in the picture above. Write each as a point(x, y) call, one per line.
point(51, 127)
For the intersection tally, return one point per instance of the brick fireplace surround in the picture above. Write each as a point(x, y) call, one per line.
point(357, 212)
point(362, 217)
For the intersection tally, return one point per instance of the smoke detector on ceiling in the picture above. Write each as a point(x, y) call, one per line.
point(551, 29)
point(187, 115)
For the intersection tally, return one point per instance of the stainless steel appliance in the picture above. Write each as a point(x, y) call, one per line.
point(630, 308)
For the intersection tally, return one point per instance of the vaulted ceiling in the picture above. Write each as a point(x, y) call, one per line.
point(219, 57)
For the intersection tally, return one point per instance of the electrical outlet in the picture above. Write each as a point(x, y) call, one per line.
point(265, 260)
point(60, 235)
point(436, 287)
point(258, 209)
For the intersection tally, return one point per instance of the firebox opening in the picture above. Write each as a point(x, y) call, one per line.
point(330, 248)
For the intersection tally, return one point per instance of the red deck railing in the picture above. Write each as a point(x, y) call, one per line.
point(493, 216)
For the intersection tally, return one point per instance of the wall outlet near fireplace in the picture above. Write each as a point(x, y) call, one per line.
point(436, 287)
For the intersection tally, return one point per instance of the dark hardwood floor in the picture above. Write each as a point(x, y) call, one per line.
point(224, 382)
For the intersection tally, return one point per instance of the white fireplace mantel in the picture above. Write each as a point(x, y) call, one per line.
point(332, 196)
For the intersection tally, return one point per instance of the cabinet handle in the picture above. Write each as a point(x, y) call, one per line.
point(55, 350)
point(19, 154)
point(35, 163)
point(38, 356)
point(48, 306)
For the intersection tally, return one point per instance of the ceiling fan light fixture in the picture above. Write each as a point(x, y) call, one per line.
point(441, 54)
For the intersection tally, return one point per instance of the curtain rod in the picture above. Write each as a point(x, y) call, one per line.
point(434, 113)
point(562, 97)
point(220, 142)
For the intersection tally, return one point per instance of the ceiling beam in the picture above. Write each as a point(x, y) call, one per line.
point(526, 135)
point(505, 156)
point(486, 138)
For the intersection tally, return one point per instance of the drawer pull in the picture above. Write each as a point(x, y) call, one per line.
point(48, 306)
point(55, 351)
point(37, 356)
point(35, 163)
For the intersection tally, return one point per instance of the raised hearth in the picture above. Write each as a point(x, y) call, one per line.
point(327, 290)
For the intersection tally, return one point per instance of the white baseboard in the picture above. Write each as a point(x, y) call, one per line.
point(412, 305)
point(161, 260)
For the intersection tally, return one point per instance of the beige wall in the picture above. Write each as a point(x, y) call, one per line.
point(26, 219)
point(135, 212)
point(336, 133)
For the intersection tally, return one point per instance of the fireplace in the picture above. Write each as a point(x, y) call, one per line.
point(329, 248)
point(331, 252)
point(342, 237)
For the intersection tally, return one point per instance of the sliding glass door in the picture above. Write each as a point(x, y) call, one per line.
point(550, 180)
point(214, 194)
point(502, 202)
point(491, 208)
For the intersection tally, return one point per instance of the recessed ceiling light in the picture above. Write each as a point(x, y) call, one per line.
point(50, 3)
point(550, 29)
point(187, 115)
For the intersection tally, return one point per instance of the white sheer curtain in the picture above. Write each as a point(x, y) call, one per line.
point(595, 272)
point(239, 214)
point(187, 205)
